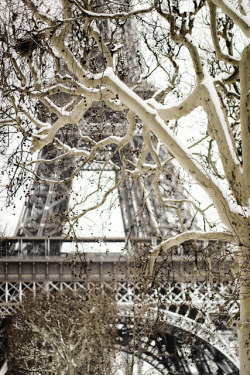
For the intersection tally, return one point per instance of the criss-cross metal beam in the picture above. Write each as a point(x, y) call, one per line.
point(180, 303)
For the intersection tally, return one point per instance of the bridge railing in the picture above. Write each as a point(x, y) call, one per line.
point(22, 247)
point(56, 246)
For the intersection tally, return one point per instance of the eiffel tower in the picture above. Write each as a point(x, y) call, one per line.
point(34, 259)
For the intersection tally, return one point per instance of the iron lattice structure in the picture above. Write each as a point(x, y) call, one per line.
point(163, 348)
point(186, 309)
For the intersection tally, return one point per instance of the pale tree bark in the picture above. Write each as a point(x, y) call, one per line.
point(244, 253)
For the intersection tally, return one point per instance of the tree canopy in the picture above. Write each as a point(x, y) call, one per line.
point(63, 333)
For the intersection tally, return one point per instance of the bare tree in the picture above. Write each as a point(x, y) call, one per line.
point(59, 58)
point(63, 333)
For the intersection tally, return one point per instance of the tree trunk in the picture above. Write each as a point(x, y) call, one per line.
point(244, 323)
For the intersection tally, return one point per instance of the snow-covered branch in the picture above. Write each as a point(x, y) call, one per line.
point(241, 20)
point(164, 246)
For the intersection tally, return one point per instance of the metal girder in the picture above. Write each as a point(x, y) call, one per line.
point(170, 351)
point(11, 293)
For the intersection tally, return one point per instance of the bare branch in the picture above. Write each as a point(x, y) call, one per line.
point(239, 19)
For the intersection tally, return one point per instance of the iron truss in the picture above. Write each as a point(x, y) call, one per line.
point(172, 310)
point(171, 351)
point(182, 309)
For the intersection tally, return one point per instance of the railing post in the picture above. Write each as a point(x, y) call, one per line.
point(153, 241)
point(20, 246)
point(48, 248)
